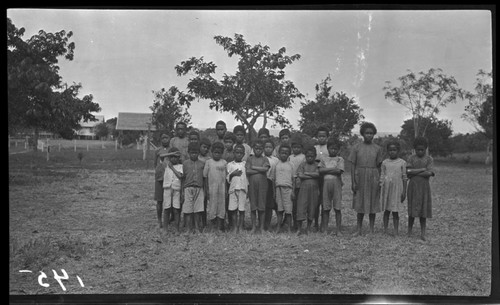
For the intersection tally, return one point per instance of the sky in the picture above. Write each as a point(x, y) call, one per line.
point(122, 56)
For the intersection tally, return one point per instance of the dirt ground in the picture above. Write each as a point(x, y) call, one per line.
point(100, 226)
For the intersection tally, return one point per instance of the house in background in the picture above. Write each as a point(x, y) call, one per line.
point(134, 121)
point(86, 132)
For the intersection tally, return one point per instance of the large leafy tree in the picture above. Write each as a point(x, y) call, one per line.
point(37, 97)
point(257, 89)
point(167, 109)
point(479, 110)
point(424, 94)
point(438, 135)
point(334, 110)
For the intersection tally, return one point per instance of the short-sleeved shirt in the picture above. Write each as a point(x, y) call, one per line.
point(296, 160)
point(321, 151)
point(425, 162)
point(306, 167)
point(182, 145)
point(170, 180)
point(329, 162)
point(215, 171)
point(237, 182)
point(366, 155)
point(193, 173)
point(257, 161)
point(272, 161)
point(283, 174)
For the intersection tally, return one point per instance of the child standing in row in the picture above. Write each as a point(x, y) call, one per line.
point(239, 133)
point(192, 169)
point(393, 183)
point(284, 139)
point(204, 149)
point(180, 140)
point(214, 173)
point(309, 190)
point(256, 169)
point(366, 158)
point(159, 172)
point(296, 158)
point(331, 167)
point(220, 129)
point(420, 168)
point(172, 187)
point(270, 201)
point(283, 178)
point(322, 135)
point(229, 141)
point(238, 185)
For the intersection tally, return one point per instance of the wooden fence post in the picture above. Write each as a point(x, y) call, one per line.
point(74, 143)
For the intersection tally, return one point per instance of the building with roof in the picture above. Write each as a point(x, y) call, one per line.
point(87, 128)
point(134, 121)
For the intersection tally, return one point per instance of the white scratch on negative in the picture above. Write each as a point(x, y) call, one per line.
point(26, 271)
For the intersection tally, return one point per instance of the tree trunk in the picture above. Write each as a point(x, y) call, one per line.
point(35, 140)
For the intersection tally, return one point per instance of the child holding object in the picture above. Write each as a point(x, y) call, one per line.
point(159, 172)
point(307, 200)
point(331, 167)
point(194, 193)
point(366, 158)
point(214, 174)
point(256, 169)
point(420, 167)
point(393, 182)
point(172, 187)
point(283, 177)
point(238, 186)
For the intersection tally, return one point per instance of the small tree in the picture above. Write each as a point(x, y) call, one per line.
point(101, 130)
point(424, 94)
point(168, 110)
point(257, 89)
point(334, 110)
point(438, 135)
point(479, 110)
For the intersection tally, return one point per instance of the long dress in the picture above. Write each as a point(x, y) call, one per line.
point(257, 183)
point(419, 189)
point(366, 158)
point(393, 173)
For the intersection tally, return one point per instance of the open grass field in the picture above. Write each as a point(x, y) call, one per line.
point(97, 220)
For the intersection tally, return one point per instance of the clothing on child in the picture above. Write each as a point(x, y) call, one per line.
point(257, 188)
point(307, 200)
point(419, 189)
point(172, 188)
point(366, 158)
point(332, 184)
point(321, 151)
point(182, 145)
point(392, 175)
point(238, 186)
point(215, 172)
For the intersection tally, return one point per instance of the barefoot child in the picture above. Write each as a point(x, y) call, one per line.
point(420, 168)
point(331, 167)
point(366, 158)
point(307, 200)
point(393, 185)
point(238, 185)
point(283, 178)
point(296, 158)
point(172, 187)
point(159, 164)
point(322, 135)
point(214, 173)
point(256, 169)
point(270, 201)
point(193, 187)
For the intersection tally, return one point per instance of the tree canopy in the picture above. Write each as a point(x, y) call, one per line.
point(334, 110)
point(257, 89)
point(424, 94)
point(37, 97)
point(479, 110)
point(167, 109)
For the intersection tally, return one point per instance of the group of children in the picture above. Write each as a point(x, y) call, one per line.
point(210, 182)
